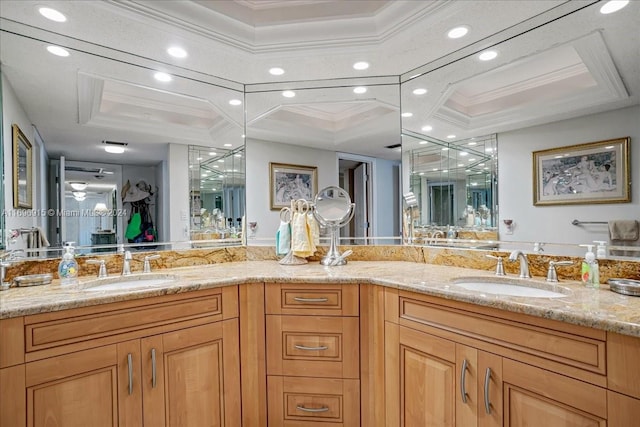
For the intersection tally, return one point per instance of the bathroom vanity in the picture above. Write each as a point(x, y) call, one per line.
point(371, 343)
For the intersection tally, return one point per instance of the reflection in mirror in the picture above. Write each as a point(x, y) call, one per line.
point(570, 81)
point(76, 107)
point(217, 195)
point(351, 136)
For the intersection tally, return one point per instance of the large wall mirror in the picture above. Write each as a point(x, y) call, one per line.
point(570, 81)
point(112, 144)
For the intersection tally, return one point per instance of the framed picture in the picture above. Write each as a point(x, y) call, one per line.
point(291, 182)
point(596, 172)
point(22, 171)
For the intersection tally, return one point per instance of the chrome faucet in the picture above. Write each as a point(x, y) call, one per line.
point(126, 261)
point(524, 263)
point(5, 262)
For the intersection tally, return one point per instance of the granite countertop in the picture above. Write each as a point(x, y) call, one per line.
point(601, 309)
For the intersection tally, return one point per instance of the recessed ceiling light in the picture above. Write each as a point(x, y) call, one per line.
point(457, 32)
point(235, 102)
point(472, 143)
point(162, 77)
point(472, 159)
point(276, 71)
point(407, 114)
point(52, 14)
point(421, 173)
point(445, 149)
point(212, 153)
point(419, 91)
point(58, 51)
point(288, 94)
point(423, 142)
point(242, 136)
point(435, 169)
point(613, 6)
point(359, 89)
point(427, 128)
point(445, 170)
point(464, 153)
point(488, 55)
point(177, 52)
point(114, 149)
point(198, 158)
point(451, 136)
point(488, 149)
point(237, 155)
point(460, 165)
point(362, 65)
point(216, 166)
point(228, 145)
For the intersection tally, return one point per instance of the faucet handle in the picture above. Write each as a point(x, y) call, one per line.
point(102, 271)
point(147, 264)
point(552, 274)
point(499, 265)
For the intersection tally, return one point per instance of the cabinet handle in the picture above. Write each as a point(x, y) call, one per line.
point(302, 408)
point(487, 381)
point(130, 366)
point(303, 347)
point(463, 375)
point(300, 299)
point(153, 368)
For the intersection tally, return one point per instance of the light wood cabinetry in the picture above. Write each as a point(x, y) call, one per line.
point(171, 373)
point(449, 366)
point(313, 355)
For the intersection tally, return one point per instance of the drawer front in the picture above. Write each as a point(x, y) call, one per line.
point(303, 402)
point(312, 299)
point(313, 346)
point(581, 352)
point(75, 329)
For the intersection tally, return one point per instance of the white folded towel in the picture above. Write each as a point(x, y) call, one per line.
point(314, 230)
point(300, 236)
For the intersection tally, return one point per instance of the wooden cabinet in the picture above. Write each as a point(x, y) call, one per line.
point(313, 355)
point(444, 371)
point(172, 373)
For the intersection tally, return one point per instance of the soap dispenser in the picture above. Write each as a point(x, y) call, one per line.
point(68, 267)
point(590, 269)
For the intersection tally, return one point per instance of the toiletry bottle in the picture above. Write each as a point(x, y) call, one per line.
point(601, 249)
point(68, 267)
point(590, 269)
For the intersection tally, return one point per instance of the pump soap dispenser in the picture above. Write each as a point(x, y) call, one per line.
point(68, 267)
point(590, 269)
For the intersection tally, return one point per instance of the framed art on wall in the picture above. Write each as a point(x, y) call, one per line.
point(595, 172)
point(291, 182)
point(22, 170)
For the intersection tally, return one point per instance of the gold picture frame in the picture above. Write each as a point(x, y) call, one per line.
point(22, 170)
point(595, 172)
point(291, 182)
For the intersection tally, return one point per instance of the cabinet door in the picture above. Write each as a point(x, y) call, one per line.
point(422, 377)
point(197, 377)
point(533, 396)
point(98, 387)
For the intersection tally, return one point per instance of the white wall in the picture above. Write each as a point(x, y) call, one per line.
point(258, 155)
point(13, 113)
point(553, 223)
point(177, 181)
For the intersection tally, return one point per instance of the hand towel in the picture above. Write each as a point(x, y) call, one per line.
point(624, 230)
point(283, 238)
point(314, 232)
point(300, 244)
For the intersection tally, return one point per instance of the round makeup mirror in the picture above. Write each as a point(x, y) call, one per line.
point(333, 209)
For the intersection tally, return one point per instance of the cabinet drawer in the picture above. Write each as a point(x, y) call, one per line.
point(304, 402)
point(579, 351)
point(70, 328)
point(313, 346)
point(312, 299)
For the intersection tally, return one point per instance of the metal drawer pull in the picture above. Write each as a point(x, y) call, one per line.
point(487, 381)
point(300, 299)
point(302, 408)
point(463, 375)
point(130, 366)
point(153, 368)
point(303, 347)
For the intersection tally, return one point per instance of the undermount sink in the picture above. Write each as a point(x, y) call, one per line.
point(511, 287)
point(136, 281)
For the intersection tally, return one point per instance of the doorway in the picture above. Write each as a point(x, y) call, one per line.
point(354, 175)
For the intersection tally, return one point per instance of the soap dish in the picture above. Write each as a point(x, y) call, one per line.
point(625, 286)
point(33, 280)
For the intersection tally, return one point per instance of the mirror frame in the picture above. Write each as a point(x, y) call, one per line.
point(21, 144)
